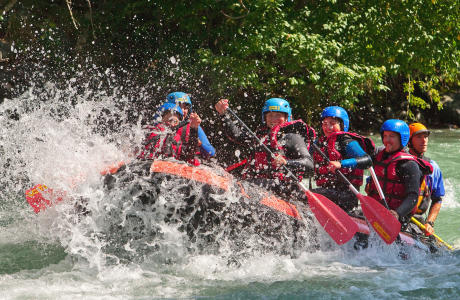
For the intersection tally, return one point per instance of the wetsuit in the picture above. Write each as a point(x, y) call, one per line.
point(352, 156)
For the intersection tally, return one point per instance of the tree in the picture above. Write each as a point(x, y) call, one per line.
point(355, 53)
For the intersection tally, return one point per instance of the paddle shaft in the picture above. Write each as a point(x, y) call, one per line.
point(416, 222)
point(290, 174)
point(345, 179)
point(379, 188)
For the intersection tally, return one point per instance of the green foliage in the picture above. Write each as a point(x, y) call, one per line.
point(329, 52)
point(414, 101)
point(314, 53)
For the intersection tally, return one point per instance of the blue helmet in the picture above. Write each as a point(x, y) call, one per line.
point(276, 104)
point(398, 126)
point(179, 97)
point(337, 112)
point(170, 107)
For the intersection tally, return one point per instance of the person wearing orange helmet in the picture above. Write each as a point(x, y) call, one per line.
point(434, 189)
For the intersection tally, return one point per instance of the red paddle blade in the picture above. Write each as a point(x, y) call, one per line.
point(337, 223)
point(384, 223)
point(40, 197)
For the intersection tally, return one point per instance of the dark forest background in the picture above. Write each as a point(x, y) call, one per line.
point(378, 59)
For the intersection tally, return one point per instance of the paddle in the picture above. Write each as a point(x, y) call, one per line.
point(35, 197)
point(416, 222)
point(383, 222)
point(337, 223)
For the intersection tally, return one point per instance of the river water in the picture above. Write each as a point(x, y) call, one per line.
point(53, 255)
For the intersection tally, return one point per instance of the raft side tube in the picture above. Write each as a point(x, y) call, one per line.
point(189, 172)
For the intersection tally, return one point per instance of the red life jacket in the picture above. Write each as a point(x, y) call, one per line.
point(259, 164)
point(159, 145)
point(325, 178)
point(296, 126)
point(391, 183)
point(185, 137)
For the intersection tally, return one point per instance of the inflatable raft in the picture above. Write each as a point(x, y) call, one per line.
point(211, 209)
point(210, 204)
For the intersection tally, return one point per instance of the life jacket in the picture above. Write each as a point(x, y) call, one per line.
point(325, 178)
point(185, 137)
point(296, 126)
point(159, 145)
point(424, 198)
point(259, 164)
point(391, 183)
point(424, 195)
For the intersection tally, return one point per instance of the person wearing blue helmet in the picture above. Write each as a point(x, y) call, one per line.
point(347, 152)
point(399, 173)
point(183, 100)
point(170, 137)
point(284, 136)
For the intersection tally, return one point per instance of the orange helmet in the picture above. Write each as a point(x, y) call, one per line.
point(416, 128)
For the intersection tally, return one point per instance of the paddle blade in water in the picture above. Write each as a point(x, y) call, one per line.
point(40, 197)
point(384, 223)
point(337, 223)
